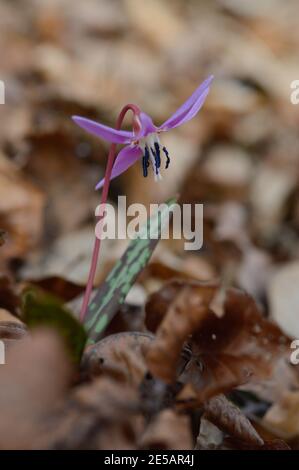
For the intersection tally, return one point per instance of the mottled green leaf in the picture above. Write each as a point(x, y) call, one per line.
point(43, 309)
point(112, 293)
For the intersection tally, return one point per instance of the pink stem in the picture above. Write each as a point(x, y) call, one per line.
point(97, 242)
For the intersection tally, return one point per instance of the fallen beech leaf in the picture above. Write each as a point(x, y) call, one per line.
point(222, 352)
point(284, 298)
point(96, 416)
point(21, 211)
point(254, 272)
point(185, 314)
point(167, 431)
point(53, 164)
point(159, 23)
point(129, 318)
point(9, 299)
point(253, 268)
point(2, 237)
point(283, 417)
point(58, 286)
point(121, 355)
point(228, 351)
point(68, 257)
point(284, 377)
point(270, 189)
point(6, 316)
point(165, 266)
point(223, 175)
point(32, 382)
point(158, 302)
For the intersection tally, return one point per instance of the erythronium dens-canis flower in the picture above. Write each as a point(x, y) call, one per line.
point(143, 143)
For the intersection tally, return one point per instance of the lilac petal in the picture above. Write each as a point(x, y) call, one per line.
point(126, 158)
point(192, 112)
point(105, 132)
point(147, 124)
point(188, 110)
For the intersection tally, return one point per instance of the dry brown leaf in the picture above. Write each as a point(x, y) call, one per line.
point(223, 174)
point(185, 314)
point(159, 23)
point(9, 298)
point(96, 416)
point(52, 162)
point(32, 382)
point(120, 355)
point(64, 57)
point(222, 351)
point(167, 431)
point(272, 186)
point(158, 303)
point(284, 298)
point(68, 257)
point(21, 211)
point(238, 347)
point(6, 316)
point(165, 266)
point(58, 286)
point(283, 416)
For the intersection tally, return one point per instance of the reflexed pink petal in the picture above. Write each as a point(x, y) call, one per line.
point(188, 110)
point(105, 132)
point(147, 125)
point(192, 112)
point(126, 158)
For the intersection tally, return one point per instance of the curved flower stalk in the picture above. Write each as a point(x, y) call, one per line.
point(142, 143)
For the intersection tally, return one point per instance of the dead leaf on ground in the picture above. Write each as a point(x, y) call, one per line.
point(239, 347)
point(221, 352)
point(185, 314)
point(284, 298)
point(167, 431)
point(29, 390)
point(52, 163)
point(96, 416)
point(21, 211)
point(121, 355)
point(283, 417)
point(9, 297)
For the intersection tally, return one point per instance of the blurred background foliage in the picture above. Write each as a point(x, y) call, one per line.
point(239, 156)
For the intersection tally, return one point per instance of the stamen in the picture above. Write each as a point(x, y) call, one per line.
point(144, 167)
point(158, 155)
point(145, 162)
point(167, 157)
point(156, 168)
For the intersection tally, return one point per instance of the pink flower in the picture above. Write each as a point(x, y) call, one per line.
point(144, 142)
